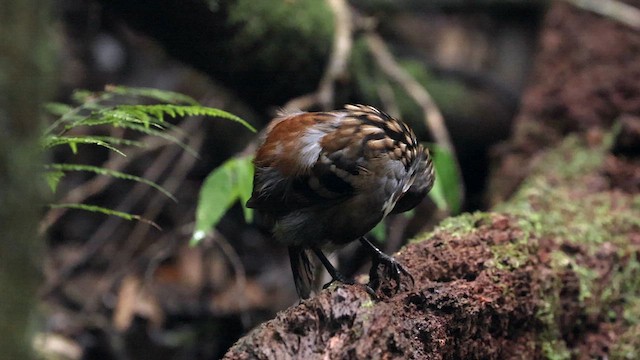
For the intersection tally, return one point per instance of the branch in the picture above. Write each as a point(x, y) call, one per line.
point(433, 116)
point(337, 65)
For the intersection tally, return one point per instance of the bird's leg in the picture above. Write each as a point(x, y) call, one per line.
point(394, 268)
point(335, 274)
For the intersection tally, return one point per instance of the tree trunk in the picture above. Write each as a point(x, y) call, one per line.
point(25, 77)
point(553, 271)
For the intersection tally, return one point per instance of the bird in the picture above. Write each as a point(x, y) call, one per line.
point(325, 179)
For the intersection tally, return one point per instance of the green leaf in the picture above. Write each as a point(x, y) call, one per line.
point(53, 179)
point(221, 189)
point(163, 135)
point(446, 189)
point(159, 110)
point(155, 94)
point(82, 96)
point(118, 141)
point(109, 172)
point(245, 185)
point(106, 211)
point(57, 109)
point(73, 141)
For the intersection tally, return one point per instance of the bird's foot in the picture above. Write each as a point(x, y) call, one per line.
point(393, 269)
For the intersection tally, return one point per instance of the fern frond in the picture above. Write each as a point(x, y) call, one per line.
point(81, 96)
point(117, 121)
point(58, 109)
point(129, 114)
point(162, 135)
point(109, 172)
point(159, 110)
point(155, 94)
point(119, 141)
point(72, 141)
point(156, 130)
point(53, 179)
point(106, 211)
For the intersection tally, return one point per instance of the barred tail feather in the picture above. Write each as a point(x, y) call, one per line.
point(302, 269)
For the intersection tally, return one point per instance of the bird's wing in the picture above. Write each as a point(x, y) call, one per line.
point(293, 168)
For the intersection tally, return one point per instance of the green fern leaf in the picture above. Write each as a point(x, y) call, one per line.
point(53, 179)
point(73, 141)
point(119, 141)
point(58, 109)
point(116, 121)
point(109, 172)
point(155, 94)
point(163, 135)
point(106, 211)
point(159, 110)
point(81, 96)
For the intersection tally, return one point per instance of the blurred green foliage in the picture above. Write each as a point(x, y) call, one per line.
point(446, 191)
point(265, 28)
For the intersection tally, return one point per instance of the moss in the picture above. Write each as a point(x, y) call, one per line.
point(628, 345)
point(564, 201)
point(555, 350)
point(267, 27)
point(557, 204)
point(368, 304)
point(510, 256)
point(458, 226)
point(560, 260)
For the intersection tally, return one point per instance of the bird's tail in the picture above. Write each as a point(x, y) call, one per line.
point(302, 269)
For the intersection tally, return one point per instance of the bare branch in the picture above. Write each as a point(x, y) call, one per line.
point(337, 65)
point(433, 116)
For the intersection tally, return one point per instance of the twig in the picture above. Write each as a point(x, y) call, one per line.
point(101, 235)
point(337, 65)
point(117, 267)
point(388, 98)
point(179, 170)
point(235, 261)
point(433, 116)
point(613, 9)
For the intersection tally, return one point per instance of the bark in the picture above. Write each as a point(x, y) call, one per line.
point(25, 77)
point(553, 272)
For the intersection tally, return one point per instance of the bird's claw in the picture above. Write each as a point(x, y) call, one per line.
point(393, 269)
